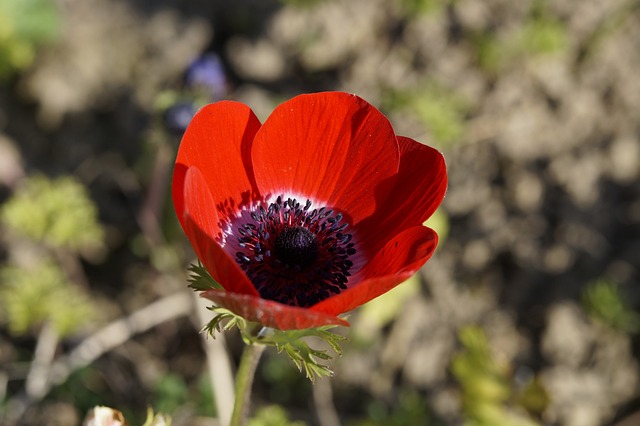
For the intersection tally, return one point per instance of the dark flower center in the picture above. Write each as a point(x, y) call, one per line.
point(294, 254)
point(296, 246)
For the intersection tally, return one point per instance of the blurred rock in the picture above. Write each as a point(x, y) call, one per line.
point(82, 71)
point(326, 35)
point(568, 338)
point(260, 61)
point(11, 168)
point(593, 370)
point(624, 159)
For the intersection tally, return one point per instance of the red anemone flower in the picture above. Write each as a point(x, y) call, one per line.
point(309, 215)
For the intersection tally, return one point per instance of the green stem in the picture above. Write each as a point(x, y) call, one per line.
point(244, 380)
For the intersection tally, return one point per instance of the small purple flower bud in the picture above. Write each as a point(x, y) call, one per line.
point(207, 71)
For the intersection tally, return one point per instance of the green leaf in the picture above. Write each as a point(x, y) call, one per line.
point(290, 342)
point(42, 293)
point(24, 25)
point(486, 389)
point(273, 415)
point(230, 320)
point(442, 110)
point(604, 302)
point(200, 279)
point(303, 356)
point(57, 212)
point(32, 20)
point(170, 392)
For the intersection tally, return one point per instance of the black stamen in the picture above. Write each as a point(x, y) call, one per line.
point(294, 254)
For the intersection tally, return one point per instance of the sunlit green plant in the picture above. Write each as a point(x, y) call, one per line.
point(604, 302)
point(291, 342)
point(440, 109)
point(539, 34)
point(443, 114)
point(57, 212)
point(24, 25)
point(42, 293)
point(273, 415)
point(542, 35)
point(204, 398)
point(411, 409)
point(487, 394)
point(169, 393)
point(413, 7)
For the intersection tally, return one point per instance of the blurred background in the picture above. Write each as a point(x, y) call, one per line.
point(528, 312)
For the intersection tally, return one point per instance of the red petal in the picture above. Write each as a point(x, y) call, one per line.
point(332, 147)
point(398, 260)
point(417, 192)
point(200, 223)
point(218, 142)
point(415, 158)
point(270, 313)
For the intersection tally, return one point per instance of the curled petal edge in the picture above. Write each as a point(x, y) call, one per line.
point(269, 313)
point(396, 262)
point(417, 191)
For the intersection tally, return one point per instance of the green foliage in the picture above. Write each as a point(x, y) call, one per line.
point(285, 384)
point(482, 377)
point(440, 109)
point(443, 112)
point(200, 279)
point(486, 389)
point(411, 409)
point(534, 397)
point(42, 293)
point(273, 415)
point(303, 356)
point(24, 24)
point(540, 34)
point(224, 319)
point(489, 51)
point(204, 397)
point(169, 393)
point(57, 212)
point(416, 7)
point(290, 342)
point(603, 301)
point(85, 387)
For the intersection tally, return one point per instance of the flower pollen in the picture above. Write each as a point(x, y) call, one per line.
point(294, 254)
